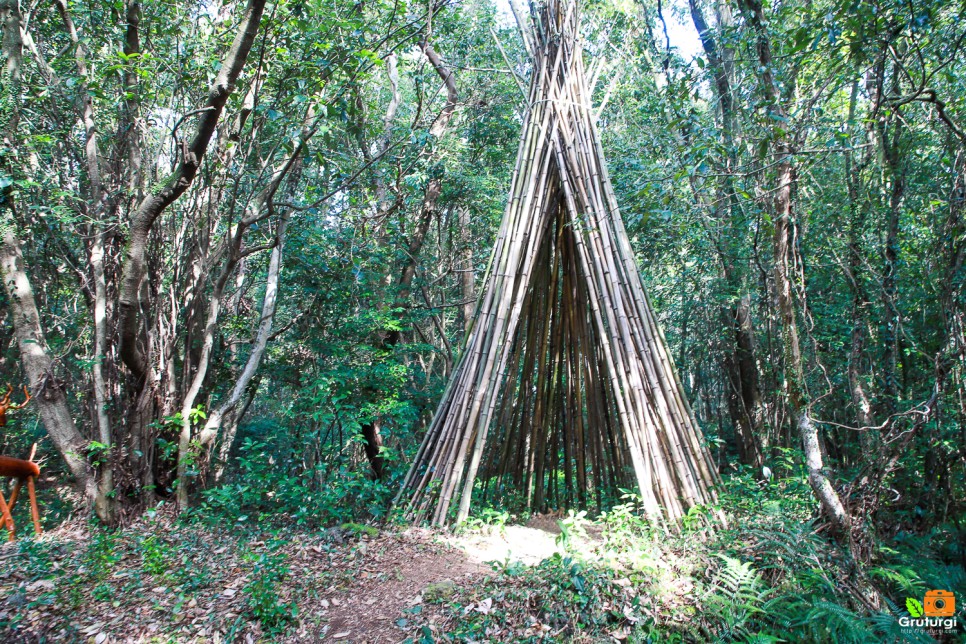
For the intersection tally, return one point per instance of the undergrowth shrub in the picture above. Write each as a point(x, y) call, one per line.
point(262, 591)
point(485, 520)
point(155, 555)
point(262, 489)
point(558, 598)
point(784, 580)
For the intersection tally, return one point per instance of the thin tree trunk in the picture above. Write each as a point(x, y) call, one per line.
point(467, 276)
point(794, 373)
point(130, 133)
point(860, 303)
point(795, 389)
point(134, 268)
point(46, 390)
point(104, 504)
point(261, 209)
point(890, 283)
point(226, 416)
point(392, 73)
point(744, 395)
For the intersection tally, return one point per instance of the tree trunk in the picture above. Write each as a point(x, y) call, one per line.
point(130, 132)
point(856, 275)
point(794, 372)
point(226, 416)
point(134, 268)
point(134, 346)
point(96, 196)
point(795, 390)
point(744, 395)
point(261, 209)
point(890, 286)
point(46, 390)
point(104, 503)
point(467, 276)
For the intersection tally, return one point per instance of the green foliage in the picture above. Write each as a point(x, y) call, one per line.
point(573, 525)
point(98, 561)
point(769, 577)
point(784, 495)
point(102, 554)
point(264, 490)
point(36, 555)
point(358, 530)
point(155, 555)
point(263, 589)
point(625, 523)
point(736, 595)
point(560, 595)
point(486, 520)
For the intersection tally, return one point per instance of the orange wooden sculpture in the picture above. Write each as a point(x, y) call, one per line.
point(5, 404)
point(22, 470)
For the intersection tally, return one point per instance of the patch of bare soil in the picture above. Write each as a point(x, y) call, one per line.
point(391, 575)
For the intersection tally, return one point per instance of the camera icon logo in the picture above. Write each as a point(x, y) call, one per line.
point(939, 603)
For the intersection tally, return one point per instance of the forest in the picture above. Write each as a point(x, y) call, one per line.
point(483, 321)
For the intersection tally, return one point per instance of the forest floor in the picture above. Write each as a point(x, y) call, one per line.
point(771, 576)
point(162, 581)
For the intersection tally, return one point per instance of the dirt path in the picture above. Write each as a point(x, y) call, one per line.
point(396, 570)
point(393, 572)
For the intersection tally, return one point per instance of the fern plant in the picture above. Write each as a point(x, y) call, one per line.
point(736, 596)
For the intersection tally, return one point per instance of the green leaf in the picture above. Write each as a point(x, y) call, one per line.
point(914, 606)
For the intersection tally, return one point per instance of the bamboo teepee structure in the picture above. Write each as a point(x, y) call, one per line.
point(566, 387)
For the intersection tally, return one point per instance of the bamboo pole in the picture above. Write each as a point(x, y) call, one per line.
point(565, 386)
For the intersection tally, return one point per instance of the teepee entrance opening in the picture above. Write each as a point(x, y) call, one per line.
point(566, 391)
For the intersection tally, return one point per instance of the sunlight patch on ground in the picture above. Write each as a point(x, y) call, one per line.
point(528, 544)
point(513, 542)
